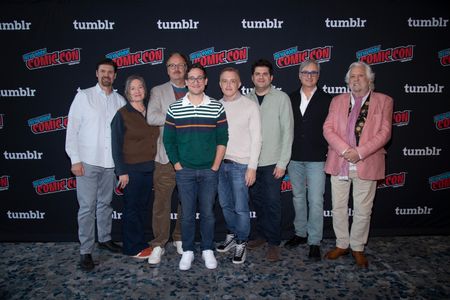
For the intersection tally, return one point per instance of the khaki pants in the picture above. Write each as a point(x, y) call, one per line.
point(363, 196)
point(164, 184)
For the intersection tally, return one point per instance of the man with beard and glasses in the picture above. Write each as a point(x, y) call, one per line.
point(88, 144)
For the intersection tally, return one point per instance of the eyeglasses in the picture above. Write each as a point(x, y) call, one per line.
point(309, 73)
point(194, 79)
point(175, 66)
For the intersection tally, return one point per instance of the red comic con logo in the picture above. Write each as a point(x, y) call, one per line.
point(50, 185)
point(442, 121)
point(293, 57)
point(39, 59)
point(1, 121)
point(209, 57)
point(286, 185)
point(46, 123)
point(440, 182)
point(401, 118)
point(394, 180)
point(4, 183)
point(444, 57)
point(125, 59)
point(375, 55)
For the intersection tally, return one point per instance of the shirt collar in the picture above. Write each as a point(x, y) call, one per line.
point(303, 95)
point(99, 90)
point(185, 100)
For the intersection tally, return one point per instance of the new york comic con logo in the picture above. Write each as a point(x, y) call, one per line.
point(209, 57)
point(401, 118)
point(375, 55)
point(49, 185)
point(444, 57)
point(286, 185)
point(39, 59)
point(442, 121)
point(440, 182)
point(4, 183)
point(293, 57)
point(393, 180)
point(124, 58)
point(46, 123)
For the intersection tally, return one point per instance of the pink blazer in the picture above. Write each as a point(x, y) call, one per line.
point(376, 133)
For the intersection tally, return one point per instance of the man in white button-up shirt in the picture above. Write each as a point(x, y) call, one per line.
point(88, 144)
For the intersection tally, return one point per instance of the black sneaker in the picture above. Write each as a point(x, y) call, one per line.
point(295, 241)
point(86, 262)
point(228, 244)
point(314, 253)
point(240, 252)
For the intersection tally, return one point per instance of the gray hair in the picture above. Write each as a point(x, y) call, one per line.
point(128, 83)
point(308, 62)
point(369, 73)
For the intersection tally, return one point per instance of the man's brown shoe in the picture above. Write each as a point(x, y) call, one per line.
point(336, 252)
point(273, 253)
point(360, 258)
point(253, 244)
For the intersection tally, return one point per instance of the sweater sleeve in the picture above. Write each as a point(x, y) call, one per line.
point(287, 131)
point(117, 139)
point(255, 135)
point(170, 137)
point(222, 127)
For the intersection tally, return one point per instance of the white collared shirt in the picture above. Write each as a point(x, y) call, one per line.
point(88, 134)
point(185, 100)
point(305, 100)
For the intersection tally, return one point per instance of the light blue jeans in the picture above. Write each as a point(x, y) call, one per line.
point(308, 187)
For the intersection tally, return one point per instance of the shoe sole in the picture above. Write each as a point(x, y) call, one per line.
point(226, 249)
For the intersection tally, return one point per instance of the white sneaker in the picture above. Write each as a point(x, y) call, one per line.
point(155, 257)
point(179, 246)
point(210, 260)
point(186, 260)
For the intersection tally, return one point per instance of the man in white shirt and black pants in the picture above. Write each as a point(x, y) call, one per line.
point(88, 144)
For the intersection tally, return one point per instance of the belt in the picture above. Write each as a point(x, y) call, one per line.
point(228, 161)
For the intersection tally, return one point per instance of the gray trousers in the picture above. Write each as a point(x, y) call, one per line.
point(94, 193)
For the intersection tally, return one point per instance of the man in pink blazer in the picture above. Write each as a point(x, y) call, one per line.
point(357, 128)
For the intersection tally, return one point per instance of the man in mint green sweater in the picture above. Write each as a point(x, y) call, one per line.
point(195, 138)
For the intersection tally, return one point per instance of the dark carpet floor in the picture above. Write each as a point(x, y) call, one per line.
point(399, 268)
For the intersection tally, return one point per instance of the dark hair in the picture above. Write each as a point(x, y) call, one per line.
point(183, 56)
point(196, 66)
point(262, 63)
point(107, 61)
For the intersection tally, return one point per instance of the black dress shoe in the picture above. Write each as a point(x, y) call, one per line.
point(295, 241)
point(314, 252)
point(111, 246)
point(86, 262)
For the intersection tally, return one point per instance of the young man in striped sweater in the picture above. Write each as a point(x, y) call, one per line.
point(195, 138)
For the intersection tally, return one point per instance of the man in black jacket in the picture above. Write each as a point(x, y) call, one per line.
point(310, 107)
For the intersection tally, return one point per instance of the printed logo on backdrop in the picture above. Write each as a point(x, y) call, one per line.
point(124, 58)
point(15, 25)
point(430, 88)
point(93, 25)
point(4, 183)
point(345, 23)
point(262, 24)
point(45, 124)
point(427, 151)
point(1, 121)
point(444, 57)
point(401, 118)
point(335, 89)
point(286, 185)
point(31, 214)
point(246, 90)
point(375, 55)
point(39, 59)
point(51, 185)
point(23, 155)
point(413, 211)
point(209, 57)
point(19, 92)
point(440, 182)
point(442, 121)
point(393, 180)
point(293, 57)
point(433, 22)
point(177, 25)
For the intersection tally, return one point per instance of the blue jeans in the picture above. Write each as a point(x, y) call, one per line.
point(196, 185)
point(266, 197)
point(136, 205)
point(308, 176)
point(233, 198)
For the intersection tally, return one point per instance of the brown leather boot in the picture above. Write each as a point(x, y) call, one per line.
point(254, 244)
point(273, 253)
point(336, 252)
point(360, 258)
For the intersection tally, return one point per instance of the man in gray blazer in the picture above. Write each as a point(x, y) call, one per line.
point(161, 97)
